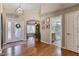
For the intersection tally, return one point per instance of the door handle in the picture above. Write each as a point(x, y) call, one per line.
point(68, 33)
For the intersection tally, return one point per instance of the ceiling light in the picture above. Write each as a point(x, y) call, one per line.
point(19, 10)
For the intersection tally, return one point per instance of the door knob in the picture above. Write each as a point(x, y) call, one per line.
point(68, 33)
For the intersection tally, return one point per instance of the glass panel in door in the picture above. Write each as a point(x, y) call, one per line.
point(18, 30)
point(15, 31)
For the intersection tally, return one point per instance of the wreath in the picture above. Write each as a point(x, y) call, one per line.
point(18, 26)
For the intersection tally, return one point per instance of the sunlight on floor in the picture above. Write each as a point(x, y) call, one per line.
point(57, 43)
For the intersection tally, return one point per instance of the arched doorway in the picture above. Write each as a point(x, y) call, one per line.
point(33, 29)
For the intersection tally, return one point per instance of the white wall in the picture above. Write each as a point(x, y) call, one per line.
point(45, 33)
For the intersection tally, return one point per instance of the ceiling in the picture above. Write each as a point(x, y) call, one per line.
point(31, 7)
point(53, 7)
point(27, 7)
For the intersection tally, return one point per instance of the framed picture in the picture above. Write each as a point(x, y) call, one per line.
point(48, 20)
point(48, 26)
point(48, 23)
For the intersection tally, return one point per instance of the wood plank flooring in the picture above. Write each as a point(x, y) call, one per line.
point(32, 48)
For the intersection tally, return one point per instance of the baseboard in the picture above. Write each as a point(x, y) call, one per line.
point(45, 42)
point(12, 42)
point(60, 47)
point(67, 49)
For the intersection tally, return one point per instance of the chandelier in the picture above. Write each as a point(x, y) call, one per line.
point(19, 10)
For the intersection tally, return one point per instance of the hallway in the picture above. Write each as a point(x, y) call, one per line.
point(39, 29)
point(32, 48)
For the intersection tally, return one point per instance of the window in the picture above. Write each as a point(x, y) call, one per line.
point(30, 28)
point(9, 29)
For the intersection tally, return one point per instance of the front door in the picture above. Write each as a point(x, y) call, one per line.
point(15, 31)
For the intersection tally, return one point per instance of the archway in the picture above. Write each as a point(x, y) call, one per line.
point(33, 29)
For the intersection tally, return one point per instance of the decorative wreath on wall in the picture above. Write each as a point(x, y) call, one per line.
point(18, 26)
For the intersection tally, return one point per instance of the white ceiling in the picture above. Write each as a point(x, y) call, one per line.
point(53, 7)
point(27, 7)
point(30, 7)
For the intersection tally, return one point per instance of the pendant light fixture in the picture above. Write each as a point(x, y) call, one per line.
point(19, 10)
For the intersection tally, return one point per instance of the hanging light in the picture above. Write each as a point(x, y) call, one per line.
point(19, 10)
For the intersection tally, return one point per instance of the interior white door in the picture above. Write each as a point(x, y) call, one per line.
point(71, 31)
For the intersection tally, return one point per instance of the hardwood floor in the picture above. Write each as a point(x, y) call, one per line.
point(32, 48)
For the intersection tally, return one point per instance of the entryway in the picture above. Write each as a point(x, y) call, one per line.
point(33, 29)
point(14, 30)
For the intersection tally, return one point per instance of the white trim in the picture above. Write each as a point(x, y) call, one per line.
point(58, 46)
point(0, 50)
point(14, 41)
point(45, 42)
point(68, 49)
